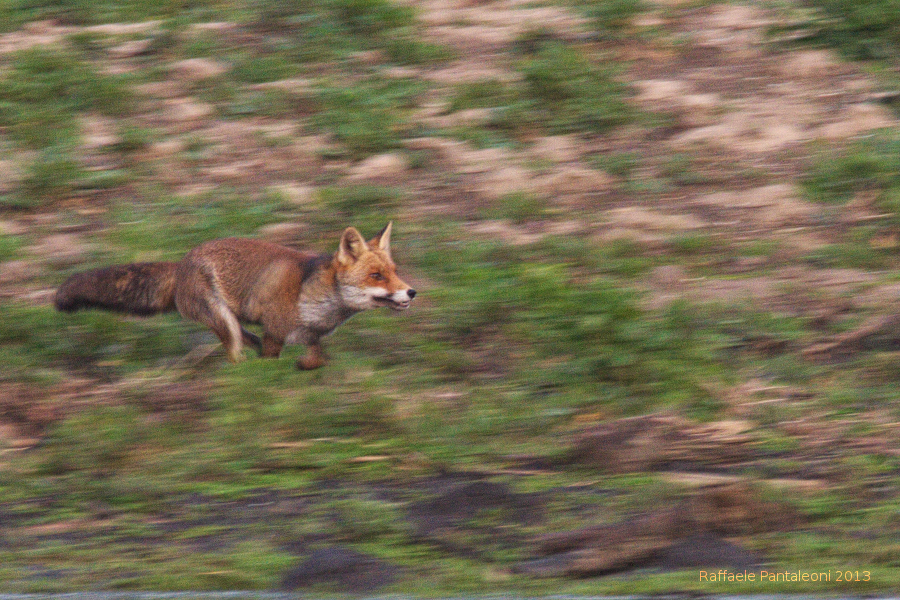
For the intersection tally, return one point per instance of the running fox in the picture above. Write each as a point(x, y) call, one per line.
point(297, 297)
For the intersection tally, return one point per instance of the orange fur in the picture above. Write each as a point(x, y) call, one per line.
point(227, 283)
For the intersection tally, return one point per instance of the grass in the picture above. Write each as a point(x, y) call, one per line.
point(45, 92)
point(565, 89)
point(569, 92)
point(869, 165)
point(368, 117)
point(863, 171)
point(47, 87)
point(863, 30)
point(613, 19)
point(322, 30)
point(157, 473)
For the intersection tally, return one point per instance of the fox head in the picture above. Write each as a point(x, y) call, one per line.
point(366, 274)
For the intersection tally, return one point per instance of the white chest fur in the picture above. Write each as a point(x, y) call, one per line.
point(317, 318)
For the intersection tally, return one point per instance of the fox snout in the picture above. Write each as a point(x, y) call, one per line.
point(402, 301)
point(399, 300)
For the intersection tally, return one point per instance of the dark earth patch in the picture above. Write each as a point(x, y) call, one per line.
point(340, 569)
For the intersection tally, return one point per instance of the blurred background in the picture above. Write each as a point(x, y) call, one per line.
point(655, 245)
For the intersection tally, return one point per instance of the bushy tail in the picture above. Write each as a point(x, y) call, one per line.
point(137, 289)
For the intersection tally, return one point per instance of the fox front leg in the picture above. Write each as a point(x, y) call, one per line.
point(313, 359)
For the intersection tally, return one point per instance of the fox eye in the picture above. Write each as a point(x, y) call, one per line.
point(377, 276)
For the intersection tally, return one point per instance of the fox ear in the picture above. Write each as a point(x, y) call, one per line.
point(383, 240)
point(353, 245)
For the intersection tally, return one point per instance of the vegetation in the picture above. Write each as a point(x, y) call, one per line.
point(133, 456)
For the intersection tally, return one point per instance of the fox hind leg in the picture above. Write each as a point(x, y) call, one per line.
point(226, 326)
point(271, 346)
point(215, 314)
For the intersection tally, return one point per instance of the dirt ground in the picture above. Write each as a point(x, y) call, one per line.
point(746, 114)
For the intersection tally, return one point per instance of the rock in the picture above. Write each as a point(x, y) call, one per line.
point(295, 193)
point(341, 569)
point(131, 49)
point(464, 118)
point(647, 442)
point(11, 175)
point(695, 109)
point(504, 181)
point(166, 148)
point(188, 113)
point(574, 179)
point(40, 27)
point(781, 205)
point(283, 232)
point(669, 277)
point(218, 27)
point(857, 119)
point(293, 85)
point(99, 132)
point(11, 227)
point(62, 249)
point(160, 89)
point(557, 149)
point(776, 205)
point(685, 535)
point(197, 69)
point(654, 90)
point(810, 64)
point(114, 29)
point(380, 167)
point(633, 217)
point(400, 72)
point(16, 271)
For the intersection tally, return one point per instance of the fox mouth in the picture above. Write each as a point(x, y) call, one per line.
point(392, 304)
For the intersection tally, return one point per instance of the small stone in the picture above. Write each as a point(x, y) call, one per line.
point(558, 149)
point(166, 148)
point(283, 232)
point(295, 193)
point(16, 271)
point(381, 166)
point(188, 112)
point(61, 249)
point(341, 568)
point(575, 179)
point(131, 49)
point(198, 69)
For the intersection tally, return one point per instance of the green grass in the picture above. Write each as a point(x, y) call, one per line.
point(321, 30)
point(865, 171)
point(156, 462)
point(570, 93)
point(871, 164)
point(612, 19)
point(47, 87)
point(368, 117)
point(44, 94)
point(164, 228)
point(864, 29)
point(565, 88)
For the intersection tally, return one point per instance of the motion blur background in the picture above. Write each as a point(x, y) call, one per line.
point(655, 245)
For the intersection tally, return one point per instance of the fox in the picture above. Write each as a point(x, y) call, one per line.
point(225, 284)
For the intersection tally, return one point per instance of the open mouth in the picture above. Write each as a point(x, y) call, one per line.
point(392, 304)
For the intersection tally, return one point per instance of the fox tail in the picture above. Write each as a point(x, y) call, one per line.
point(136, 289)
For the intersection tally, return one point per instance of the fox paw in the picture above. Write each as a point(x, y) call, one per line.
point(308, 363)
